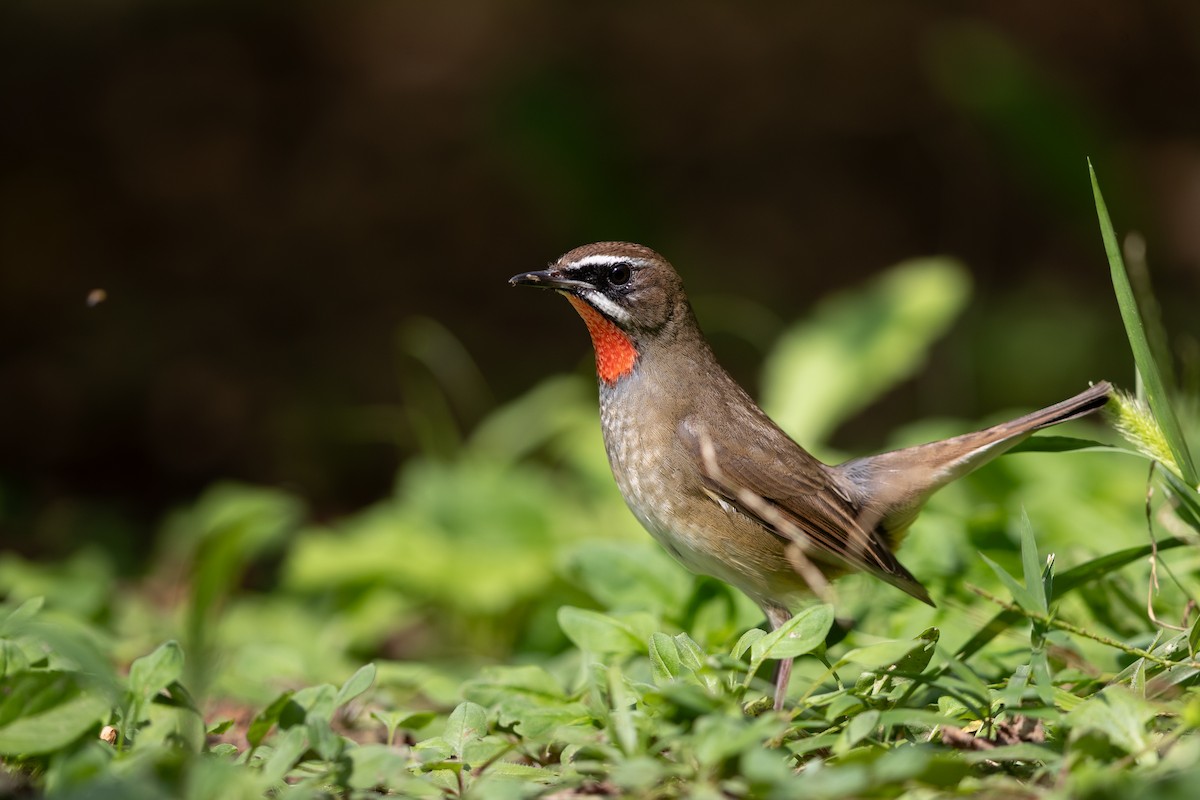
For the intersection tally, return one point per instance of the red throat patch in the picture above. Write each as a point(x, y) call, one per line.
point(615, 353)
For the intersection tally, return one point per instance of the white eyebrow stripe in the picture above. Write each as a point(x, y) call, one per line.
point(604, 305)
point(602, 260)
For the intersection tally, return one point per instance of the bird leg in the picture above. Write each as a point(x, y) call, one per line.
point(783, 674)
point(776, 616)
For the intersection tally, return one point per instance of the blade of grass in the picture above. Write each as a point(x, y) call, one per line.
point(1139, 343)
point(1134, 250)
point(1021, 595)
point(1061, 444)
point(1030, 568)
point(1188, 497)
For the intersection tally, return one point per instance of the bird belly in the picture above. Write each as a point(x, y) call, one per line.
point(736, 550)
point(704, 536)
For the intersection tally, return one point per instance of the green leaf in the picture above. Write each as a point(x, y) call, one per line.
point(487, 749)
point(1043, 682)
point(747, 640)
point(1014, 691)
point(919, 718)
point(801, 634)
point(54, 727)
point(264, 720)
point(664, 658)
point(393, 721)
point(13, 658)
point(467, 723)
point(1021, 596)
point(1034, 753)
point(376, 765)
point(620, 701)
point(523, 772)
point(1030, 567)
point(1187, 496)
point(176, 696)
point(434, 751)
point(919, 657)
point(691, 655)
point(316, 700)
point(1139, 343)
point(597, 633)
point(721, 737)
point(219, 727)
point(906, 656)
point(979, 699)
point(1064, 444)
point(636, 776)
point(75, 645)
point(321, 738)
point(286, 750)
point(857, 345)
point(623, 576)
point(21, 614)
point(153, 672)
point(566, 721)
point(358, 683)
point(879, 655)
point(497, 683)
point(1115, 715)
point(860, 727)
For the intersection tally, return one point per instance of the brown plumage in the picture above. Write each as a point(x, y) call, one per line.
point(719, 484)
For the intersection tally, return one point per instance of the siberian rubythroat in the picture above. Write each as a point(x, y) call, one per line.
point(714, 480)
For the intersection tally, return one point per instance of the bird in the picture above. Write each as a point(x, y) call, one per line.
point(714, 480)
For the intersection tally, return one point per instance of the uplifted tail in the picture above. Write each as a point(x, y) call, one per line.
point(893, 486)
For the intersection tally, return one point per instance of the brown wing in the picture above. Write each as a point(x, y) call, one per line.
point(792, 495)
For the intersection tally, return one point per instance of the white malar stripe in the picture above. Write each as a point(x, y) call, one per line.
point(602, 260)
point(605, 306)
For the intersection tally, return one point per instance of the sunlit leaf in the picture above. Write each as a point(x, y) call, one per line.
point(467, 724)
point(664, 657)
point(596, 632)
point(747, 640)
point(1116, 715)
point(35, 727)
point(153, 672)
point(906, 656)
point(801, 634)
point(355, 685)
point(855, 346)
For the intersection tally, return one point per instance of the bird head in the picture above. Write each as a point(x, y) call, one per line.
point(627, 294)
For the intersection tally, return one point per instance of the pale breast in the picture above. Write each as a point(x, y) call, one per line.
point(666, 497)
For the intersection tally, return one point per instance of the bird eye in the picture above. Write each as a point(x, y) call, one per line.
point(619, 275)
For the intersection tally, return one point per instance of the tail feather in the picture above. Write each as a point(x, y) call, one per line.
point(893, 486)
point(1078, 406)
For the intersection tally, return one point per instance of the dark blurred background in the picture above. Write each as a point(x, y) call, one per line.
point(300, 212)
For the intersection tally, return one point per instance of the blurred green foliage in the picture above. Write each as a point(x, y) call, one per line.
point(499, 626)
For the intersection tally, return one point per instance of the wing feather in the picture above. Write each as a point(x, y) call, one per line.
point(795, 497)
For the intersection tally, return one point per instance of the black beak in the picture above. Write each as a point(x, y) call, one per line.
point(547, 279)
